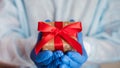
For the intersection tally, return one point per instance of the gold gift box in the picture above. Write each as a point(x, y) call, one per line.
point(50, 45)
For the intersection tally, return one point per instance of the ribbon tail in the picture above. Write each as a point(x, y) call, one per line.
point(42, 42)
point(72, 42)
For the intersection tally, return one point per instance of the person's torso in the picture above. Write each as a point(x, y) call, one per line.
point(60, 10)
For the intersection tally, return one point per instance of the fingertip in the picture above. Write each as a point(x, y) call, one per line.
point(77, 57)
point(80, 38)
point(47, 20)
point(71, 53)
point(44, 55)
point(72, 20)
point(69, 61)
point(57, 54)
point(46, 52)
point(65, 59)
point(32, 55)
point(64, 66)
point(39, 37)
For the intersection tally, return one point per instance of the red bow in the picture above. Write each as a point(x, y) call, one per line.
point(57, 33)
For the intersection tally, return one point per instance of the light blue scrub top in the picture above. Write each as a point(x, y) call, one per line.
point(19, 19)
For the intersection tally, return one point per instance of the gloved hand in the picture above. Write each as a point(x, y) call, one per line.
point(46, 58)
point(73, 59)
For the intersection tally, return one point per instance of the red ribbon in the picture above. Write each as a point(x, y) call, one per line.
point(58, 33)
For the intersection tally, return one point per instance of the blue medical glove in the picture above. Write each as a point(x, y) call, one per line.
point(73, 59)
point(46, 58)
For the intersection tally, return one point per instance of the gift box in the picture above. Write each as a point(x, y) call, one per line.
point(59, 36)
point(50, 44)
